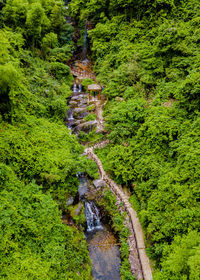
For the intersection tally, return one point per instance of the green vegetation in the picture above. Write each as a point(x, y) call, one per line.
point(86, 83)
point(39, 157)
point(146, 54)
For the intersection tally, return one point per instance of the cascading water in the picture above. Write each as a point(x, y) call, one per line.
point(102, 244)
point(92, 216)
point(70, 119)
point(74, 88)
point(85, 42)
point(70, 115)
point(102, 247)
point(91, 211)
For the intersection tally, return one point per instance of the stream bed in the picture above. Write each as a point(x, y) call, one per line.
point(102, 244)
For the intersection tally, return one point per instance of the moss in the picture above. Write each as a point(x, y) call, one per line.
point(77, 213)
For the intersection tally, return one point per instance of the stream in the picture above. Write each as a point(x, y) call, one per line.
point(102, 244)
point(102, 247)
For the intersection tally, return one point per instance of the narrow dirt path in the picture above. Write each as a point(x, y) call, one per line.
point(137, 230)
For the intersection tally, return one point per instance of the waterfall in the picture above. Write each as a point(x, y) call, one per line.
point(74, 88)
point(79, 88)
point(70, 120)
point(92, 216)
point(85, 42)
point(70, 115)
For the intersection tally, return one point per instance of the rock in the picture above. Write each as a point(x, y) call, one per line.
point(99, 184)
point(77, 122)
point(78, 209)
point(79, 97)
point(86, 126)
point(78, 110)
point(70, 201)
point(83, 102)
point(72, 103)
point(83, 115)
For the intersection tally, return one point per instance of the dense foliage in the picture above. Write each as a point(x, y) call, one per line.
point(39, 157)
point(147, 55)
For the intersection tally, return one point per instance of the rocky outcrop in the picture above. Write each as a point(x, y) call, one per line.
point(86, 126)
point(73, 103)
point(99, 184)
point(78, 110)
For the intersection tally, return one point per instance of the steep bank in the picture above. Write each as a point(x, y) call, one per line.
point(39, 158)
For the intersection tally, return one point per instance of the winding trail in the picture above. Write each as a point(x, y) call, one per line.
point(140, 265)
point(137, 230)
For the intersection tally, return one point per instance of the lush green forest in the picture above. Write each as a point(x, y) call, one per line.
point(39, 157)
point(147, 55)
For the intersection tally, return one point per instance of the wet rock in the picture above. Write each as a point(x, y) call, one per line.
point(83, 115)
point(72, 103)
point(99, 184)
point(77, 122)
point(83, 102)
point(86, 126)
point(78, 110)
point(79, 97)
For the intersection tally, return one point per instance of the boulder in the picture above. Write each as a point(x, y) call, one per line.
point(70, 201)
point(72, 103)
point(79, 110)
point(77, 122)
point(86, 126)
point(78, 209)
point(82, 115)
point(99, 184)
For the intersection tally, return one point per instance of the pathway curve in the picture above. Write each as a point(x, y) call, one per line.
point(139, 261)
point(137, 230)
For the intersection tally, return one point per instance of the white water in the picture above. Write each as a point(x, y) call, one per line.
point(70, 115)
point(74, 88)
point(92, 216)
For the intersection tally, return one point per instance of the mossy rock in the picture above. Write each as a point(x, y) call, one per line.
point(78, 214)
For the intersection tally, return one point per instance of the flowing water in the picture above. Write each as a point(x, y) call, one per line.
point(102, 244)
point(70, 119)
point(74, 88)
point(92, 216)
